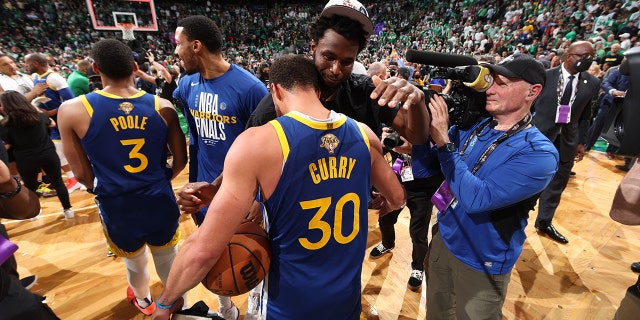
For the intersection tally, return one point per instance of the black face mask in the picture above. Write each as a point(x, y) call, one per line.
point(583, 64)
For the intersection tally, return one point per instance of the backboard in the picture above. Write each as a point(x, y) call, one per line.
point(107, 14)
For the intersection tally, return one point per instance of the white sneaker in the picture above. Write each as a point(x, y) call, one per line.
point(29, 282)
point(36, 217)
point(230, 314)
point(415, 280)
point(252, 306)
point(68, 213)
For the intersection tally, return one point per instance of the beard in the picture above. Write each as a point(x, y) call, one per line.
point(189, 64)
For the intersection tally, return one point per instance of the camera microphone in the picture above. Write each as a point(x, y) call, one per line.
point(481, 76)
point(474, 76)
point(439, 59)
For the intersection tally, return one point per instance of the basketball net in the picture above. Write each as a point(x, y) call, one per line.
point(127, 30)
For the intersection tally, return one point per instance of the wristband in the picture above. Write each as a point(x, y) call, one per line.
point(12, 193)
point(162, 306)
point(401, 206)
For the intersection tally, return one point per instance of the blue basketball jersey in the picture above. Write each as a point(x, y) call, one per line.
point(126, 143)
point(54, 103)
point(317, 220)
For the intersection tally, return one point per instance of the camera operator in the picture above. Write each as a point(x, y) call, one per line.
point(407, 74)
point(165, 81)
point(493, 170)
point(420, 175)
point(145, 80)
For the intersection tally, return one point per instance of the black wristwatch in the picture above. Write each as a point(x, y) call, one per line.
point(14, 192)
point(447, 147)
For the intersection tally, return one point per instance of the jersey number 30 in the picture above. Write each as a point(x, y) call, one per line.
point(323, 205)
point(135, 154)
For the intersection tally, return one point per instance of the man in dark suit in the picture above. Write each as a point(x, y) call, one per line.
point(562, 113)
point(614, 85)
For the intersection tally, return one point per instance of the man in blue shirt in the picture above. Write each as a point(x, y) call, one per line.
point(493, 171)
point(218, 98)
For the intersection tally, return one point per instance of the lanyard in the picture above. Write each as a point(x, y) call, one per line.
point(560, 88)
point(521, 125)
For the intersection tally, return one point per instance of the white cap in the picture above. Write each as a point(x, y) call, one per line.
point(359, 68)
point(351, 9)
point(625, 35)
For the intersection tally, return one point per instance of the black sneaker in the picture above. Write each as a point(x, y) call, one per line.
point(415, 280)
point(378, 251)
point(29, 282)
point(623, 167)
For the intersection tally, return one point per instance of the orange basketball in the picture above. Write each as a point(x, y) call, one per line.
point(243, 264)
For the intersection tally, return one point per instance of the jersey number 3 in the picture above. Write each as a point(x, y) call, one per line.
point(135, 154)
point(323, 205)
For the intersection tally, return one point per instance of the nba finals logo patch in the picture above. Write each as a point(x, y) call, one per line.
point(329, 142)
point(126, 107)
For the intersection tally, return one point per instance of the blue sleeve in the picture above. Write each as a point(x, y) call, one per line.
point(254, 96)
point(523, 175)
point(609, 82)
point(66, 93)
point(177, 93)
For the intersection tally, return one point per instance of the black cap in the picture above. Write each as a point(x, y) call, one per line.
point(404, 72)
point(520, 66)
point(92, 75)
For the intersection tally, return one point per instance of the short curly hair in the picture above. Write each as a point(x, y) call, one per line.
point(292, 71)
point(344, 26)
point(114, 58)
point(204, 30)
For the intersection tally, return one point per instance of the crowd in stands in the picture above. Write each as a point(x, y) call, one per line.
point(256, 32)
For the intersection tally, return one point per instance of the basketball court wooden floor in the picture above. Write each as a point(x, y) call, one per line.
point(585, 279)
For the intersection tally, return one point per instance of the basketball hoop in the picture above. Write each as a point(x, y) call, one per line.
point(127, 30)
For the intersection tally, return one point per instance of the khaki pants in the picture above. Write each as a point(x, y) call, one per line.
point(630, 304)
point(455, 291)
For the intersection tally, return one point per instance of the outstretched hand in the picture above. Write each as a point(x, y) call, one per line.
point(194, 196)
point(40, 88)
point(150, 57)
point(380, 203)
point(255, 214)
point(393, 91)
